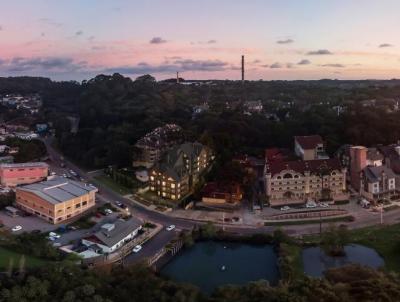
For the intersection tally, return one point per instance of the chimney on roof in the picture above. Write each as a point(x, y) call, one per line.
point(242, 68)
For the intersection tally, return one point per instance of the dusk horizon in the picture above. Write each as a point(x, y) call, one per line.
point(281, 40)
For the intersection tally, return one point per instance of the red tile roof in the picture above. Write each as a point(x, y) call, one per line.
point(309, 142)
point(300, 166)
point(213, 189)
point(277, 154)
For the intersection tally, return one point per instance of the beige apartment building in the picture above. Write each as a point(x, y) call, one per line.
point(176, 174)
point(56, 200)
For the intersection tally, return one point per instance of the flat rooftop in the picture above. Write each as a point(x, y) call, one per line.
point(58, 190)
point(25, 165)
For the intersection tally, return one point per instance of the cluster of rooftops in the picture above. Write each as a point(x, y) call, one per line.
point(161, 137)
point(279, 159)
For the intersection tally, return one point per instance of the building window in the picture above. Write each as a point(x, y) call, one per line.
point(163, 183)
point(77, 206)
point(151, 177)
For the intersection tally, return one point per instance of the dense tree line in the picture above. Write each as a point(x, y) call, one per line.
point(115, 111)
point(28, 150)
point(66, 282)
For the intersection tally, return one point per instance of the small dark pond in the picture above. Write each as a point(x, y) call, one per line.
point(315, 261)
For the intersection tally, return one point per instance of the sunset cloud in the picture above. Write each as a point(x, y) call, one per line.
point(304, 62)
point(157, 40)
point(336, 65)
point(286, 41)
point(177, 65)
point(319, 52)
point(61, 64)
point(276, 65)
point(385, 45)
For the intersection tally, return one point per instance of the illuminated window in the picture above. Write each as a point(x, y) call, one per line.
point(173, 186)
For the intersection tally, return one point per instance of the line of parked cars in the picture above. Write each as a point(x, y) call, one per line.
point(309, 205)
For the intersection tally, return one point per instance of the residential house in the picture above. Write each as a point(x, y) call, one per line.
point(56, 200)
point(113, 236)
point(377, 183)
point(179, 170)
point(200, 108)
point(374, 157)
point(254, 106)
point(309, 147)
point(220, 193)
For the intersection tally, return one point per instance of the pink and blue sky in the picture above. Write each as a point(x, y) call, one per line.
point(202, 39)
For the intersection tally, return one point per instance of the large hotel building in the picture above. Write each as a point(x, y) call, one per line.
point(309, 174)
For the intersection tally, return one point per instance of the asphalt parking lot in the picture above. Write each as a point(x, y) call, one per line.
point(28, 224)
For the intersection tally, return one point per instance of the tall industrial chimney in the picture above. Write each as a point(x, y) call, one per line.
point(242, 69)
point(177, 77)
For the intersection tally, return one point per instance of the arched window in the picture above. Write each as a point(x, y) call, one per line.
point(287, 175)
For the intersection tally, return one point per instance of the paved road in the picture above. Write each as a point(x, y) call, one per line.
point(151, 247)
point(363, 217)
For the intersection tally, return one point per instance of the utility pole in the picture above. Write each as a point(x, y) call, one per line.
point(320, 224)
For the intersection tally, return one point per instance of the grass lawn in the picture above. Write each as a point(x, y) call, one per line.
point(30, 261)
point(109, 182)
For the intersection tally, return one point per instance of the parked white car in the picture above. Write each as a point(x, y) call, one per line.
point(108, 211)
point(137, 249)
point(171, 227)
point(16, 228)
point(285, 208)
point(311, 205)
point(55, 235)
